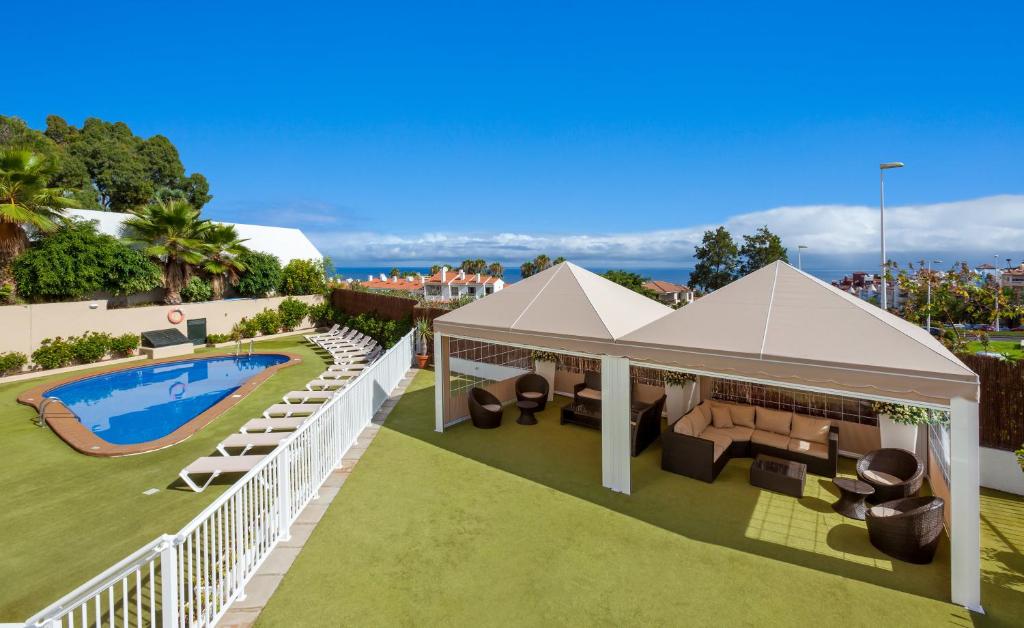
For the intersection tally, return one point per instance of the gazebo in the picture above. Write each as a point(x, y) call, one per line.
point(777, 326)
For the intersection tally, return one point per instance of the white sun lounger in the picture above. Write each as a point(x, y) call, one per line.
point(245, 442)
point(215, 466)
point(327, 384)
point(330, 333)
point(307, 396)
point(290, 424)
point(290, 409)
point(346, 368)
point(347, 374)
point(352, 338)
point(347, 345)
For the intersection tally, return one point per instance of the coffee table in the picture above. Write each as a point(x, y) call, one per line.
point(852, 494)
point(775, 474)
point(526, 409)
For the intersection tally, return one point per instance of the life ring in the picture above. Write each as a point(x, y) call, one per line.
point(175, 316)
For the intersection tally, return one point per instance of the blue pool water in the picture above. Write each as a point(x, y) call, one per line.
point(147, 403)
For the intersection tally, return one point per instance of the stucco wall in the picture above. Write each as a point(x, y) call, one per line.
point(24, 327)
point(1000, 470)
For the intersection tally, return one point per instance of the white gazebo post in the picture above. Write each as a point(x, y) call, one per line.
point(615, 458)
point(965, 480)
point(440, 381)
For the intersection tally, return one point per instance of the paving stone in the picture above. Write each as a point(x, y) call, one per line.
point(258, 591)
point(280, 560)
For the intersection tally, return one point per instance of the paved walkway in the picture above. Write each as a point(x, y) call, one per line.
point(243, 613)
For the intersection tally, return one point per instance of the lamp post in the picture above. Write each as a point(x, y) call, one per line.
point(881, 206)
point(799, 258)
point(930, 262)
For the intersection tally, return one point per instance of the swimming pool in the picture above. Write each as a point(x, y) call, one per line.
point(149, 403)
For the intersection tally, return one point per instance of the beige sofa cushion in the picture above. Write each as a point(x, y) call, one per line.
point(806, 447)
point(810, 428)
point(684, 426)
point(532, 395)
point(742, 414)
point(719, 450)
point(739, 434)
point(721, 417)
point(882, 478)
point(493, 407)
point(701, 417)
point(590, 393)
point(719, 437)
point(770, 439)
point(777, 421)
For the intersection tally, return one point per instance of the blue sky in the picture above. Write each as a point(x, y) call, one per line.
point(411, 131)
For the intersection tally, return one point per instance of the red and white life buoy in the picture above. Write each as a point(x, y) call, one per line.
point(175, 316)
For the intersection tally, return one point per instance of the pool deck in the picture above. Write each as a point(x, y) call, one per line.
point(66, 425)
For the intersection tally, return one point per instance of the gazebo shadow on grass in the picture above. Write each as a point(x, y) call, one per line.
point(728, 512)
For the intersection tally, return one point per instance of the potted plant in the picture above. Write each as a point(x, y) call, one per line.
point(900, 426)
point(424, 333)
point(680, 394)
point(545, 364)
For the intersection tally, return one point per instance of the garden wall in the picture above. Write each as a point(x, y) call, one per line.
point(1001, 412)
point(26, 326)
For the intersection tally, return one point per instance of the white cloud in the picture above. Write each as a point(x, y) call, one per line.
point(993, 223)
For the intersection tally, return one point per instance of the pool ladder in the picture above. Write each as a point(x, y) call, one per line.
point(41, 420)
point(238, 347)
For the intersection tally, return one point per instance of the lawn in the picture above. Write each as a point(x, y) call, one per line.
point(511, 526)
point(1010, 349)
point(67, 516)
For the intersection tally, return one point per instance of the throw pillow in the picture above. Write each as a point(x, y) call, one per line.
point(721, 416)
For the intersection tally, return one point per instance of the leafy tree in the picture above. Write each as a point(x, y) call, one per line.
point(473, 266)
point(761, 249)
point(717, 261)
point(26, 200)
point(172, 233)
point(76, 261)
point(222, 247)
point(292, 312)
point(633, 281)
point(540, 263)
point(303, 276)
point(196, 290)
point(197, 190)
point(395, 272)
point(262, 274)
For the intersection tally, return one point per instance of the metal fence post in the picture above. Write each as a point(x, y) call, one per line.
point(284, 492)
point(169, 583)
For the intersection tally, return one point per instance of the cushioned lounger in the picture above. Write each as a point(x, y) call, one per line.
point(215, 466)
point(245, 442)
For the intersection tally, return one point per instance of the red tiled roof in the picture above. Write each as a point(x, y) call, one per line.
point(453, 278)
point(400, 284)
point(665, 286)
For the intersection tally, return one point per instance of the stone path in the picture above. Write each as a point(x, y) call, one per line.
point(243, 613)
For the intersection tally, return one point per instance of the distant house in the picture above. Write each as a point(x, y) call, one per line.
point(444, 285)
point(670, 293)
point(1013, 278)
point(409, 284)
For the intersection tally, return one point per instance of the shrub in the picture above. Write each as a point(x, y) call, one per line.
point(386, 332)
point(216, 339)
point(262, 274)
point(197, 289)
point(268, 322)
point(320, 314)
point(53, 353)
point(12, 362)
point(246, 328)
point(906, 415)
point(124, 345)
point(303, 276)
point(91, 347)
point(292, 312)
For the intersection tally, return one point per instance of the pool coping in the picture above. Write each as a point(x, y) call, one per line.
point(65, 423)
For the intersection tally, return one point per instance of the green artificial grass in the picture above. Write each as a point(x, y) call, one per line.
point(66, 516)
point(512, 526)
point(1011, 350)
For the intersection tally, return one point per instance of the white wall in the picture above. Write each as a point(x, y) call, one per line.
point(24, 327)
point(999, 470)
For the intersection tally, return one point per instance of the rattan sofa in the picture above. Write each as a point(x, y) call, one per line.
point(700, 444)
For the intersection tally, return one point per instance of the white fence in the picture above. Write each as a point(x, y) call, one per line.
point(191, 578)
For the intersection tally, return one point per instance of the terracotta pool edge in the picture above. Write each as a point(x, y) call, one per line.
point(68, 428)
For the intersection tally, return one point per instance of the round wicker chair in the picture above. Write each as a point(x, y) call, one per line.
point(532, 387)
point(484, 409)
point(893, 473)
point(907, 529)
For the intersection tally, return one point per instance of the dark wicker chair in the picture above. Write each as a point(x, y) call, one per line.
point(533, 387)
point(646, 427)
point(484, 409)
point(893, 473)
point(588, 392)
point(907, 529)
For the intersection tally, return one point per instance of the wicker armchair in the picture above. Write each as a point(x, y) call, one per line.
point(893, 473)
point(646, 427)
point(533, 387)
point(484, 409)
point(588, 392)
point(907, 529)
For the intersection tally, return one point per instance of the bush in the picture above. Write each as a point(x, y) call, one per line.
point(386, 332)
point(91, 347)
point(12, 362)
point(262, 274)
point(53, 353)
point(196, 289)
point(124, 345)
point(246, 328)
point(268, 322)
point(320, 314)
point(292, 312)
point(216, 339)
point(303, 276)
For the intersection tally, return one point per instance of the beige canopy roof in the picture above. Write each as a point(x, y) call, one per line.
point(783, 325)
point(564, 308)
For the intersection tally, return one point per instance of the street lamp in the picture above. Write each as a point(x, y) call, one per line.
point(881, 205)
point(930, 262)
point(799, 258)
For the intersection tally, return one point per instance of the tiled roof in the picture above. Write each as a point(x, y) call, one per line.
point(470, 278)
point(665, 286)
point(400, 283)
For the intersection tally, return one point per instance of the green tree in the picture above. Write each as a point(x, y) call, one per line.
point(761, 249)
point(717, 261)
point(303, 276)
point(495, 269)
point(26, 200)
point(262, 275)
point(633, 281)
point(172, 233)
point(472, 266)
point(527, 269)
point(221, 248)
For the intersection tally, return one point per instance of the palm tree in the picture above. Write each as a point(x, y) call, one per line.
point(171, 232)
point(526, 269)
point(25, 201)
point(542, 262)
point(496, 269)
point(222, 248)
point(558, 260)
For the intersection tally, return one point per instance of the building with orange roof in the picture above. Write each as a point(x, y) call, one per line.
point(670, 293)
point(444, 285)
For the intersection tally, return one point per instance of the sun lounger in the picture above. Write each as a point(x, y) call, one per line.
point(289, 424)
point(307, 396)
point(334, 331)
point(245, 442)
point(347, 374)
point(327, 384)
point(215, 466)
point(290, 409)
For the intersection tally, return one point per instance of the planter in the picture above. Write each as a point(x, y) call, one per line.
point(900, 435)
point(546, 370)
point(679, 400)
point(421, 360)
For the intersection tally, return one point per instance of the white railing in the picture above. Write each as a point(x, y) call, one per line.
point(191, 578)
